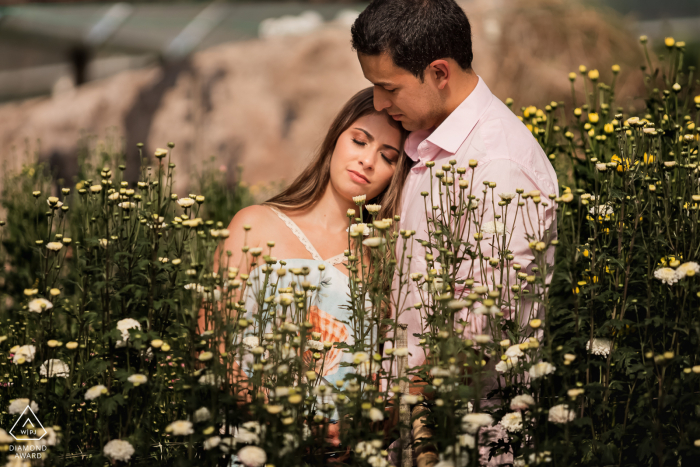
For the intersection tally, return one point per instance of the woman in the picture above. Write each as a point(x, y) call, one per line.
point(362, 154)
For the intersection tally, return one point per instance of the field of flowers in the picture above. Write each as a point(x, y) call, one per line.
point(592, 360)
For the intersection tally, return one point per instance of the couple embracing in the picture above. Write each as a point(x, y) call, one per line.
point(426, 103)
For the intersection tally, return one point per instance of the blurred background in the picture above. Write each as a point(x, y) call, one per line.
point(253, 85)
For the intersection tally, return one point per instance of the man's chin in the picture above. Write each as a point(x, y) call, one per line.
point(409, 125)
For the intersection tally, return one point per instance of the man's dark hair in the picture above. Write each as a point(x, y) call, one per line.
point(414, 33)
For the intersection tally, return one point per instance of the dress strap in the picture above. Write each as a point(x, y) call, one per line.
point(298, 233)
point(304, 240)
point(337, 259)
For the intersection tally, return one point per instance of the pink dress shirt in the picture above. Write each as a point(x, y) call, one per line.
point(484, 129)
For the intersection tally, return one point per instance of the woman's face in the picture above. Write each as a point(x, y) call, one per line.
point(365, 157)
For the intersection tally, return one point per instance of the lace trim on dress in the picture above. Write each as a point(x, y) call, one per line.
point(337, 259)
point(305, 241)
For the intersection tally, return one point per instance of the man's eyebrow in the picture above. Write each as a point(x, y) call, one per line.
point(371, 138)
point(384, 84)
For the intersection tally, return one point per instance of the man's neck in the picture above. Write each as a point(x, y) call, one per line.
point(461, 85)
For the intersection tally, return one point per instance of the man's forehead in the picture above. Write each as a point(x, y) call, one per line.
point(379, 69)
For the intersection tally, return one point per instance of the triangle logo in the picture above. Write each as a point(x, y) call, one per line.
point(27, 427)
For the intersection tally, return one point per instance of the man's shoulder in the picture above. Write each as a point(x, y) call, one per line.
point(503, 137)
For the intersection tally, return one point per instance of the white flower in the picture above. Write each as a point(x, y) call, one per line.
point(360, 357)
point(466, 441)
point(482, 338)
point(119, 450)
point(513, 422)
point(507, 364)
point(252, 456)
point(367, 368)
point(103, 242)
point(316, 345)
point(180, 428)
point(686, 268)
point(374, 242)
point(210, 379)
point(373, 207)
point(600, 346)
point(561, 414)
point(137, 379)
point(359, 199)
point(54, 246)
point(96, 188)
point(410, 399)
point(514, 351)
point(18, 405)
point(95, 392)
point(251, 342)
point(124, 325)
point(493, 227)
point(185, 202)
point(471, 422)
point(201, 415)
point(487, 310)
point(359, 229)
point(522, 402)
point(666, 275)
point(54, 202)
point(54, 368)
point(39, 304)
point(601, 167)
point(541, 369)
point(401, 352)
point(114, 196)
point(602, 210)
point(212, 442)
point(506, 196)
point(127, 205)
point(23, 354)
point(375, 414)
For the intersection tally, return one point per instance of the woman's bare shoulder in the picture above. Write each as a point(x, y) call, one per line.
point(259, 218)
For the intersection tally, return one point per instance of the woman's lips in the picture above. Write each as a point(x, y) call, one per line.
point(358, 177)
point(397, 116)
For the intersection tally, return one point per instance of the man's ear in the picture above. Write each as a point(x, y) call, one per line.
point(440, 73)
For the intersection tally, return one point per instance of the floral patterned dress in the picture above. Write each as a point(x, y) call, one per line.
point(328, 307)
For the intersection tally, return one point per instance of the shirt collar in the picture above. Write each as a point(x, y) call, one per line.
point(452, 132)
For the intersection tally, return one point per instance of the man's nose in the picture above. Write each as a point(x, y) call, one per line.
point(380, 102)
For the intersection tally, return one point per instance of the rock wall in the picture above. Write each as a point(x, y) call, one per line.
point(266, 104)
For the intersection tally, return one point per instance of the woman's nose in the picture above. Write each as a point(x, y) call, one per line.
point(368, 159)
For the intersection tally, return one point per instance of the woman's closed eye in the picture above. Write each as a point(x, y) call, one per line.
point(358, 142)
point(389, 160)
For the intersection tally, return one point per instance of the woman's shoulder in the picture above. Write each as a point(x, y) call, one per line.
point(256, 216)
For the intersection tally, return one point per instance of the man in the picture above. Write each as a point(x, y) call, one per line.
point(418, 55)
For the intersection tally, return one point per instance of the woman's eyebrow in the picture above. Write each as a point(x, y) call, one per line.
point(371, 138)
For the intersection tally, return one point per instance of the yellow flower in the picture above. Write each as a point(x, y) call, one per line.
point(622, 165)
point(593, 75)
point(648, 158)
point(669, 41)
point(593, 117)
point(616, 69)
point(161, 153)
point(697, 99)
point(572, 76)
point(608, 128)
point(582, 68)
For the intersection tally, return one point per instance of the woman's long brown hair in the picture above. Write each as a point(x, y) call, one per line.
point(308, 187)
